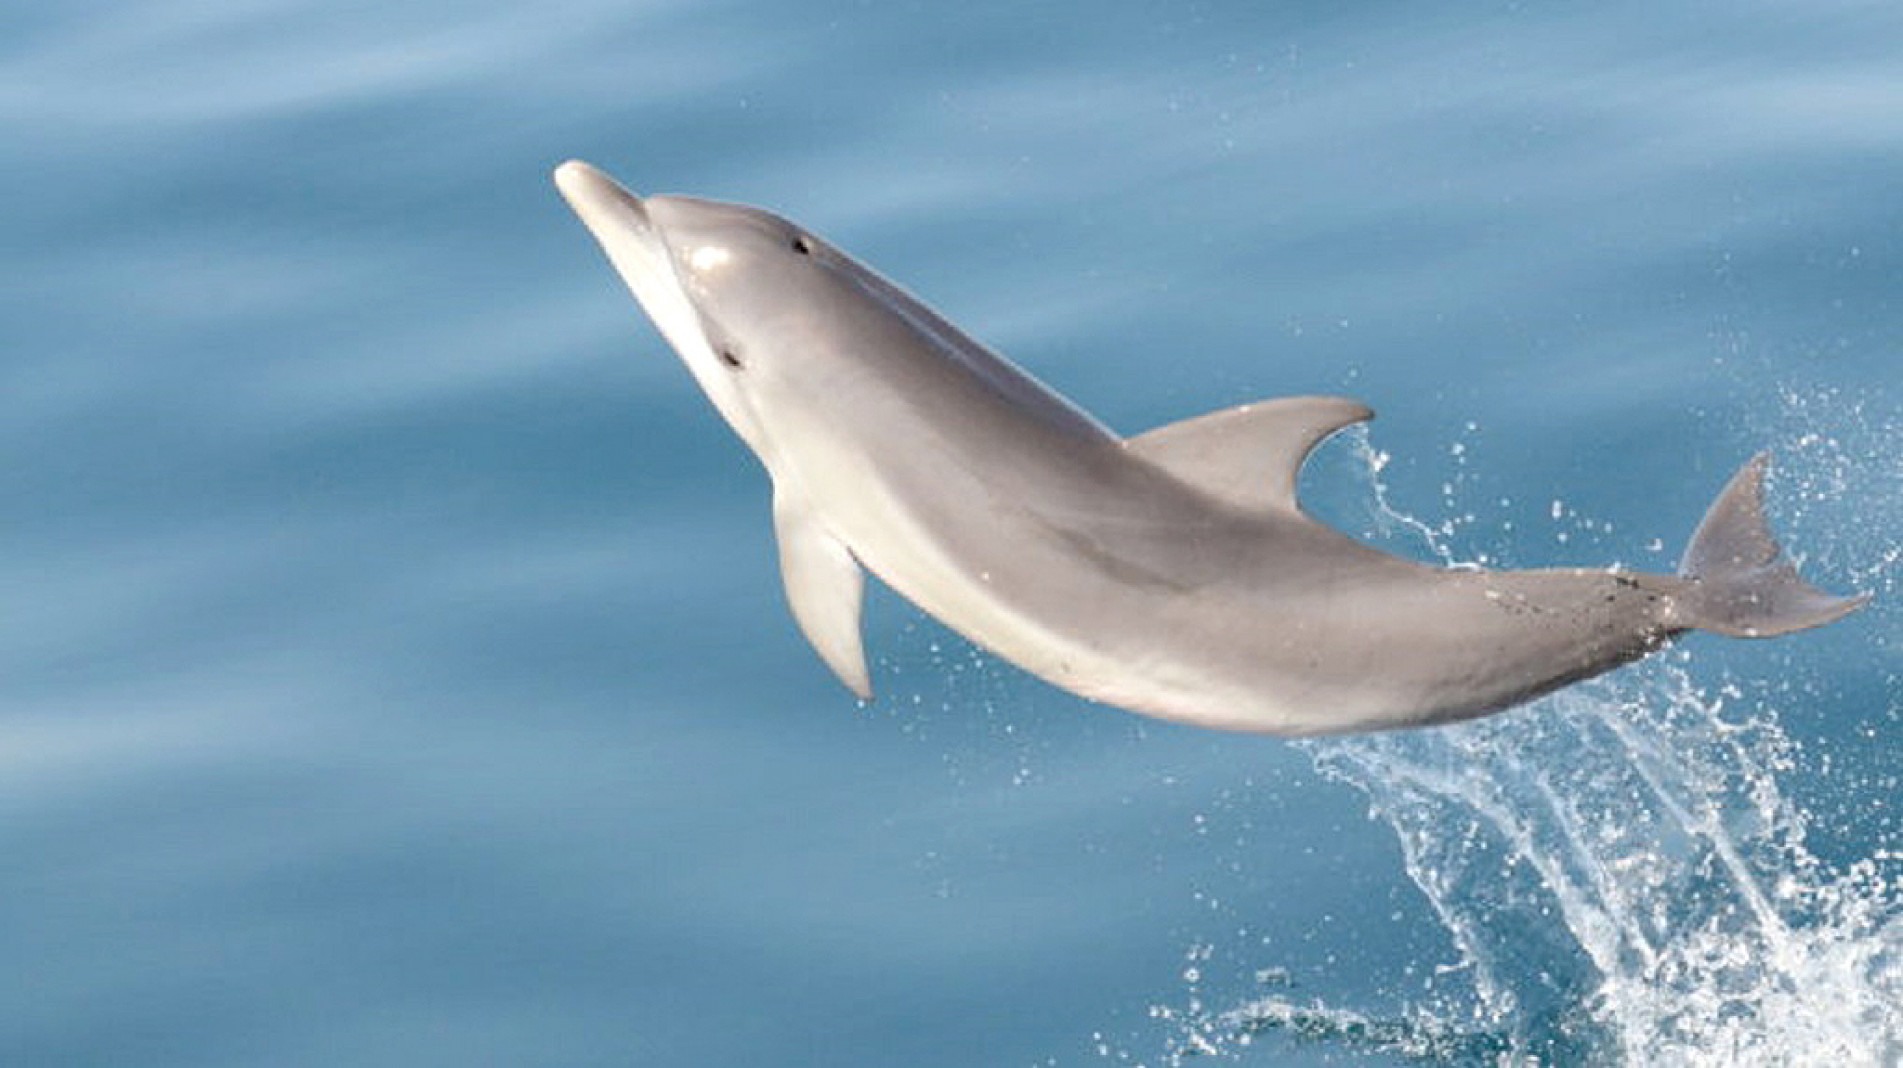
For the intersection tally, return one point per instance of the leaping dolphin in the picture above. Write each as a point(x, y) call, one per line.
point(1172, 573)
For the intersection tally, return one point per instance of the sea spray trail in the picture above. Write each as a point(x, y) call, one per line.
point(1646, 824)
point(1622, 872)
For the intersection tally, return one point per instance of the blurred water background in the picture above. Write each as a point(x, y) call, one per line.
point(392, 662)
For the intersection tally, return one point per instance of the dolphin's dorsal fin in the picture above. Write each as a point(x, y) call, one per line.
point(1248, 455)
point(824, 586)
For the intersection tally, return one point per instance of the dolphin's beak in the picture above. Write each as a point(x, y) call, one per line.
point(636, 247)
point(639, 252)
point(602, 203)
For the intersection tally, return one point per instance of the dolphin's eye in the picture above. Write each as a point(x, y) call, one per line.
point(730, 356)
point(801, 245)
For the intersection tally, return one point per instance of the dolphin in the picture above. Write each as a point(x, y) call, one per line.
point(1172, 573)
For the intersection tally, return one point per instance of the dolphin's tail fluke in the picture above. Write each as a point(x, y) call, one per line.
point(1738, 582)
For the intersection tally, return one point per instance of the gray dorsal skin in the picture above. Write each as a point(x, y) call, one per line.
point(1172, 573)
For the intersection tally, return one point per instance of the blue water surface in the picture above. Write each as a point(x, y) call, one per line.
point(393, 665)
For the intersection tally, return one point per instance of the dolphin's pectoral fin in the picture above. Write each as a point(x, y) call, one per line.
point(1248, 455)
point(824, 586)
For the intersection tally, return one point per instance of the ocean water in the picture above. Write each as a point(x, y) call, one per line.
point(393, 668)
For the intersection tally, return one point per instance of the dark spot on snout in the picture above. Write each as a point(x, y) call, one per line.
point(801, 245)
point(731, 357)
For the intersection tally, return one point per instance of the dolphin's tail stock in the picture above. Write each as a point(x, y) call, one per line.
point(1738, 581)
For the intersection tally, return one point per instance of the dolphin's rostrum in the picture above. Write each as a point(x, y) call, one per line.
point(1172, 573)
